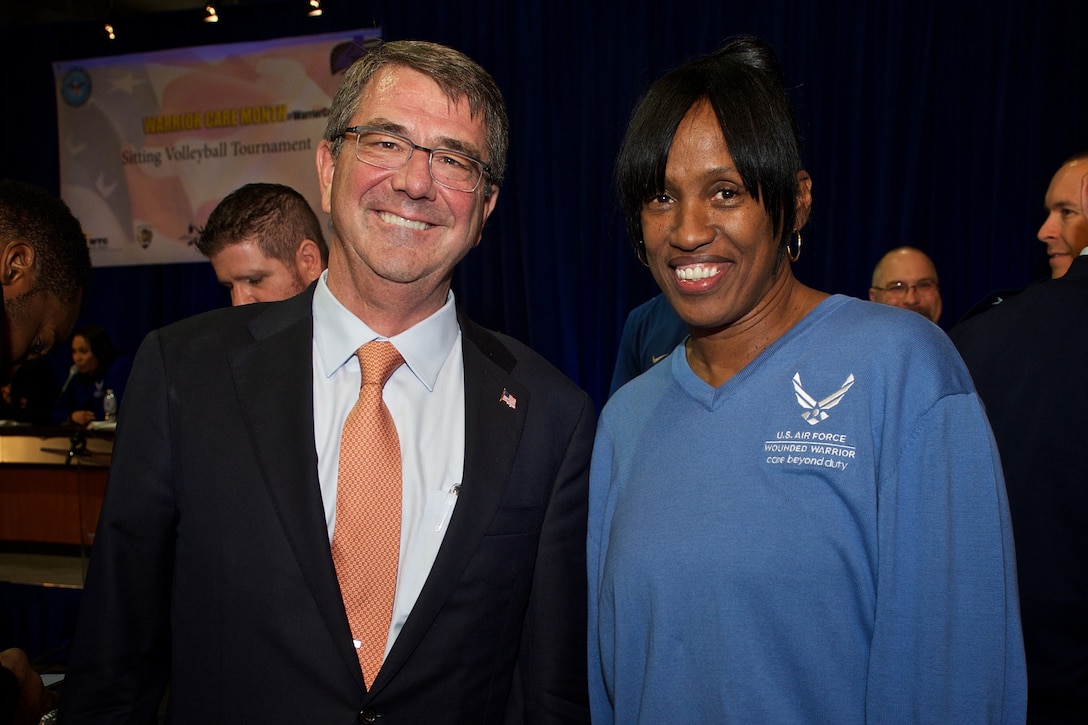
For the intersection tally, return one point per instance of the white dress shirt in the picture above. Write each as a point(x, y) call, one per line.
point(426, 399)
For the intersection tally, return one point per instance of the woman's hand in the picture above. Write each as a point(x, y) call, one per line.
point(82, 417)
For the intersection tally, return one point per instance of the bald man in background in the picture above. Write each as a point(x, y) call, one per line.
point(905, 277)
point(1065, 231)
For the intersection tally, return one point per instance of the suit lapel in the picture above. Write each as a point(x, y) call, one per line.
point(274, 380)
point(493, 430)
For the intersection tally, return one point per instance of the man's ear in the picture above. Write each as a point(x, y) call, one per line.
point(1084, 195)
point(308, 260)
point(17, 268)
point(326, 167)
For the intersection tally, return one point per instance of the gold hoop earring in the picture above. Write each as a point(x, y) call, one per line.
point(640, 252)
point(794, 255)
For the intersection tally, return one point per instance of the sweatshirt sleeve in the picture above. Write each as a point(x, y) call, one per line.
point(947, 643)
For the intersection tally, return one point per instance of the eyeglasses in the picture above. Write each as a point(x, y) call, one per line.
point(898, 290)
point(386, 150)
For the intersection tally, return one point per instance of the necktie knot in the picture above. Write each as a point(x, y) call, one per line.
point(378, 359)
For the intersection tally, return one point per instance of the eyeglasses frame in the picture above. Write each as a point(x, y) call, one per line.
point(905, 289)
point(360, 130)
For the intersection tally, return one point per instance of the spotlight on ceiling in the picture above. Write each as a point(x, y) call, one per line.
point(211, 16)
point(109, 32)
point(315, 8)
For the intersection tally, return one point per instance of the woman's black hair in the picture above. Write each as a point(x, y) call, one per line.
point(743, 83)
point(101, 345)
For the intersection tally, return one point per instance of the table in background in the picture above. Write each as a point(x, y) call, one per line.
point(52, 482)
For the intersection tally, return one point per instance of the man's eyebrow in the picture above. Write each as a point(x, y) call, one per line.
point(460, 146)
point(385, 125)
point(444, 142)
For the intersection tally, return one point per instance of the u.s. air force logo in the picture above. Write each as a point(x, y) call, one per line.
point(816, 410)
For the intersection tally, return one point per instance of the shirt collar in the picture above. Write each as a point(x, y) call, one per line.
point(338, 334)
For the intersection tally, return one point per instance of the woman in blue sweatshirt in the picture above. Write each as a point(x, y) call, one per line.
point(798, 516)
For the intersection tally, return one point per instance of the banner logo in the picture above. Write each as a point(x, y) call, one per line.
point(75, 87)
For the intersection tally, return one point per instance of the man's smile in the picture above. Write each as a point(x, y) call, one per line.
point(390, 218)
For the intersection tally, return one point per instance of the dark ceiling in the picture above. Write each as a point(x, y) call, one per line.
point(20, 12)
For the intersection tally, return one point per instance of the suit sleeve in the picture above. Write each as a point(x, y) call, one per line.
point(946, 643)
point(550, 675)
point(120, 657)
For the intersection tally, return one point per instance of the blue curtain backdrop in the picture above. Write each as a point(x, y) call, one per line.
point(932, 123)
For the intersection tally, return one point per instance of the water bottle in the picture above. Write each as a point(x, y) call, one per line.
point(109, 405)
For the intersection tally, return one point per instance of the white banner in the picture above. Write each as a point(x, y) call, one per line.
point(150, 143)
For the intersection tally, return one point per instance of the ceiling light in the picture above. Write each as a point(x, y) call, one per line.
point(315, 8)
point(211, 17)
point(109, 32)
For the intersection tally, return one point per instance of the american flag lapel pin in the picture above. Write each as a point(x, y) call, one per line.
point(509, 399)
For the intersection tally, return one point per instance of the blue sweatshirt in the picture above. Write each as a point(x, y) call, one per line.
point(824, 538)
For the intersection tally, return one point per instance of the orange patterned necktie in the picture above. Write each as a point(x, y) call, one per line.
point(366, 536)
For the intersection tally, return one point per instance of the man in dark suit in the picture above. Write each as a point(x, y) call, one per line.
point(212, 568)
point(1028, 355)
point(44, 269)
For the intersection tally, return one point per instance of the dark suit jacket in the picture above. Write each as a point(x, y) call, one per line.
point(1028, 356)
point(211, 564)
